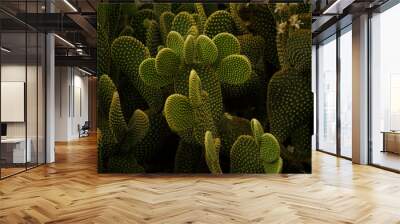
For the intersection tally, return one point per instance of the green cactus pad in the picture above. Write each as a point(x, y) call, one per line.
point(252, 46)
point(298, 49)
point(167, 63)
point(166, 19)
point(153, 36)
point(150, 76)
point(206, 50)
point(137, 127)
point(212, 147)
point(235, 69)
point(245, 156)
point(175, 42)
point(199, 22)
point(189, 49)
point(105, 92)
point(227, 44)
point(128, 53)
point(257, 130)
point(116, 117)
point(275, 167)
point(124, 164)
point(182, 23)
point(160, 8)
point(187, 157)
point(219, 22)
point(178, 112)
point(212, 86)
point(103, 50)
point(290, 102)
point(127, 31)
point(194, 89)
point(269, 148)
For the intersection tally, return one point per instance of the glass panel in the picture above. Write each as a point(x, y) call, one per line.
point(346, 94)
point(13, 86)
point(327, 95)
point(41, 99)
point(385, 89)
point(31, 98)
point(314, 90)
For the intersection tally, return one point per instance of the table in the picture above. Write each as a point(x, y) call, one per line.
point(15, 148)
point(391, 141)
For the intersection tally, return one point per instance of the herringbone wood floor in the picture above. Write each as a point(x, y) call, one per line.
point(70, 191)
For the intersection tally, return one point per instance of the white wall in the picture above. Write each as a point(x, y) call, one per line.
point(71, 102)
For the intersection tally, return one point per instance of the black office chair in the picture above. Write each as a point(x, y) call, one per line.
point(84, 130)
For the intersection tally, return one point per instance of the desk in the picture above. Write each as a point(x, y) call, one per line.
point(15, 148)
point(391, 141)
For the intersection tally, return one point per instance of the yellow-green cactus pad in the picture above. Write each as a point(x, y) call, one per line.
point(219, 22)
point(175, 42)
point(167, 63)
point(212, 147)
point(148, 73)
point(269, 148)
point(189, 49)
point(275, 167)
point(206, 50)
point(194, 89)
point(227, 44)
point(116, 117)
point(235, 69)
point(178, 113)
point(257, 130)
point(245, 156)
point(182, 23)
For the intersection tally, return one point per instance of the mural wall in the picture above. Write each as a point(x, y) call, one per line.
point(204, 88)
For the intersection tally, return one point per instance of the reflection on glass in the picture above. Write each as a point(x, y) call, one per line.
point(327, 96)
point(346, 94)
point(385, 88)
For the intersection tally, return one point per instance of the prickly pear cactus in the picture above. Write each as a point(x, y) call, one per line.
point(259, 153)
point(179, 83)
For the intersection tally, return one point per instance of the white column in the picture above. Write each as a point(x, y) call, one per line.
point(360, 90)
point(50, 109)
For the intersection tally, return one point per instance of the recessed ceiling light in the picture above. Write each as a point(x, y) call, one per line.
point(5, 50)
point(70, 5)
point(65, 41)
point(84, 71)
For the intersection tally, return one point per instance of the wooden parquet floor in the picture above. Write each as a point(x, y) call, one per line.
point(71, 191)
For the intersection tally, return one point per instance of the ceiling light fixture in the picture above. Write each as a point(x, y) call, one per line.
point(337, 7)
point(65, 41)
point(84, 71)
point(70, 5)
point(5, 50)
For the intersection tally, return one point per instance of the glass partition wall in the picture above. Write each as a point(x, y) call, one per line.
point(22, 77)
point(334, 93)
point(385, 89)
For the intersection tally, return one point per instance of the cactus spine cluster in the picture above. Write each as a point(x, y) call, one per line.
point(179, 83)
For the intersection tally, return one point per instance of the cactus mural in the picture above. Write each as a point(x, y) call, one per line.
point(204, 88)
